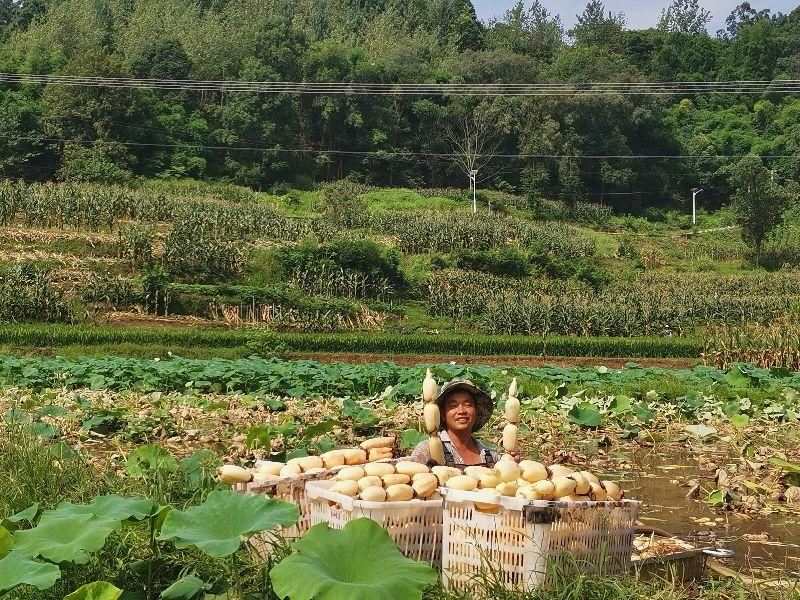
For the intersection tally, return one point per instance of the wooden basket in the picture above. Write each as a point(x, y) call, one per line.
point(519, 541)
point(415, 525)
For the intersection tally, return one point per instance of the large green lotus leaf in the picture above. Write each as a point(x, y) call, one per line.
point(361, 561)
point(97, 590)
point(148, 460)
point(18, 568)
point(29, 514)
point(112, 507)
point(65, 539)
point(186, 588)
point(218, 525)
point(5, 541)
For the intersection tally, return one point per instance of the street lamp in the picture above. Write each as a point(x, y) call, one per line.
point(473, 178)
point(695, 191)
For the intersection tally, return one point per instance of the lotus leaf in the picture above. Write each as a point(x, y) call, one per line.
point(199, 467)
point(361, 561)
point(585, 414)
point(185, 588)
point(218, 525)
point(149, 459)
point(5, 541)
point(97, 590)
point(29, 514)
point(16, 416)
point(65, 538)
point(42, 430)
point(18, 568)
point(111, 507)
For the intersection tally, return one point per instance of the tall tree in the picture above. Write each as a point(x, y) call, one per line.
point(684, 16)
point(534, 32)
point(758, 202)
point(594, 27)
point(740, 17)
point(7, 10)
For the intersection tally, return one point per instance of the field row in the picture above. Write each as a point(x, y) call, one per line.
point(55, 336)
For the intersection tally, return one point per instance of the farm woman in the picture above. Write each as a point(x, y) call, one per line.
point(465, 408)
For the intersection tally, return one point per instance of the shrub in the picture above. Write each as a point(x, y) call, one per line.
point(280, 189)
point(509, 260)
point(342, 204)
point(380, 264)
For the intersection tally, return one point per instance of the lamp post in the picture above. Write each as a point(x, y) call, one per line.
point(695, 191)
point(473, 177)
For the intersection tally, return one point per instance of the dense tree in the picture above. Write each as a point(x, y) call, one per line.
point(267, 139)
point(684, 16)
point(163, 59)
point(7, 10)
point(594, 27)
point(533, 32)
point(740, 17)
point(758, 202)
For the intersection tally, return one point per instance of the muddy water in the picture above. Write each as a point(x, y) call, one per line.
point(766, 544)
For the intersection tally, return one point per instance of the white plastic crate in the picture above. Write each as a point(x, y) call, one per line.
point(415, 525)
point(290, 489)
point(520, 543)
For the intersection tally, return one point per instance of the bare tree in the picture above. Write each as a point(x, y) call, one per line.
point(474, 141)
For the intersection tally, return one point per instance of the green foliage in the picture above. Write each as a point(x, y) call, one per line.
point(224, 520)
point(359, 560)
point(359, 268)
point(65, 538)
point(18, 568)
point(186, 588)
point(149, 461)
point(112, 507)
point(758, 202)
point(503, 261)
point(355, 343)
point(97, 590)
point(29, 293)
point(342, 204)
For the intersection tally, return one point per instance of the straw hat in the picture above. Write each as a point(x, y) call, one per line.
point(483, 402)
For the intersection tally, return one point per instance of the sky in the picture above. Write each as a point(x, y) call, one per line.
point(640, 14)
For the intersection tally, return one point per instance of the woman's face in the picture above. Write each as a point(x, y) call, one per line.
point(460, 411)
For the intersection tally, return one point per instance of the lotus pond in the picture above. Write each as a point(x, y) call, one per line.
point(715, 455)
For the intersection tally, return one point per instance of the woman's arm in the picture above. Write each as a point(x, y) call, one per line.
point(421, 453)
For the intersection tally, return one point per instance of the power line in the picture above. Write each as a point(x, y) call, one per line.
point(398, 154)
point(788, 86)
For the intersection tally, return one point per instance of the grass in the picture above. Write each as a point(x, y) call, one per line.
point(130, 350)
point(409, 200)
point(52, 336)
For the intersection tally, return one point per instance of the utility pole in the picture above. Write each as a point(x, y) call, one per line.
point(695, 191)
point(473, 178)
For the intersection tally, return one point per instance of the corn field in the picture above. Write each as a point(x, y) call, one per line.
point(774, 345)
point(29, 294)
point(651, 305)
point(274, 317)
point(105, 207)
point(421, 232)
point(331, 281)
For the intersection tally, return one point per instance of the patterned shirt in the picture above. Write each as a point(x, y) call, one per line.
point(452, 458)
